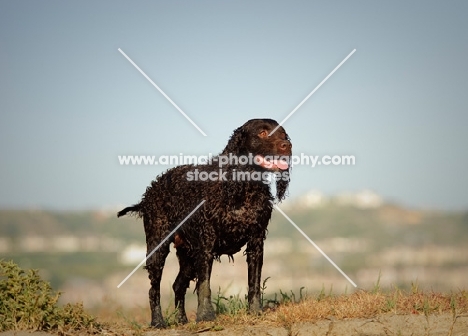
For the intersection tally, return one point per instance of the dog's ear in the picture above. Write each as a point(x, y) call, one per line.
point(236, 143)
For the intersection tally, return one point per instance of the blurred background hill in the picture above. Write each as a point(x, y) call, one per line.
point(87, 254)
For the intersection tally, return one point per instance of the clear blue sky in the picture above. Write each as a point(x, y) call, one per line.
point(70, 102)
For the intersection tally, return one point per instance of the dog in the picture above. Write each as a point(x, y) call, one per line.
point(236, 211)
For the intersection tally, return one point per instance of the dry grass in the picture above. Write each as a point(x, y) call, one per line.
point(361, 304)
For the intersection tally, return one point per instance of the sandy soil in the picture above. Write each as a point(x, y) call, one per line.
point(384, 325)
point(414, 325)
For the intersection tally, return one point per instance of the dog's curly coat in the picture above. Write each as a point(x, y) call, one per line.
point(235, 213)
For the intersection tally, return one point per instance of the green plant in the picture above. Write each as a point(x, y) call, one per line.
point(390, 304)
point(28, 303)
point(220, 308)
point(285, 298)
point(302, 296)
point(170, 315)
point(322, 294)
point(453, 305)
point(263, 288)
point(377, 288)
point(415, 287)
point(230, 306)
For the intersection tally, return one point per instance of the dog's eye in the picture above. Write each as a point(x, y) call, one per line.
point(263, 134)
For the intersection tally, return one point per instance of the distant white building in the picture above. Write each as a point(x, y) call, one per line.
point(33, 244)
point(364, 199)
point(367, 199)
point(66, 244)
point(90, 244)
point(133, 254)
point(63, 243)
point(313, 199)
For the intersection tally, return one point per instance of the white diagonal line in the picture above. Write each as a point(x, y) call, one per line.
point(162, 92)
point(315, 245)
point(161, 243)
point(313, 91)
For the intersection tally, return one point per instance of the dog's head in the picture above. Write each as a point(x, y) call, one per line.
point(267, 152)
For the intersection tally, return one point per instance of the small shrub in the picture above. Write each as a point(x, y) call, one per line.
point(28, 303)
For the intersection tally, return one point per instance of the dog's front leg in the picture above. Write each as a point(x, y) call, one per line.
point(205, 311)
point(254, 264)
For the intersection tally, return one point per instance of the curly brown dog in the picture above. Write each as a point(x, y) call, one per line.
point(236, 212)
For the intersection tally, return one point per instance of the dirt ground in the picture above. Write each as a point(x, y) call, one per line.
point(403, 325)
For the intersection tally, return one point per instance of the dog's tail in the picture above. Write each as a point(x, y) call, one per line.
point(133, 208)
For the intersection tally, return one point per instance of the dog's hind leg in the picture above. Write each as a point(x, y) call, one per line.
point(182, 282)
point(155, 265)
